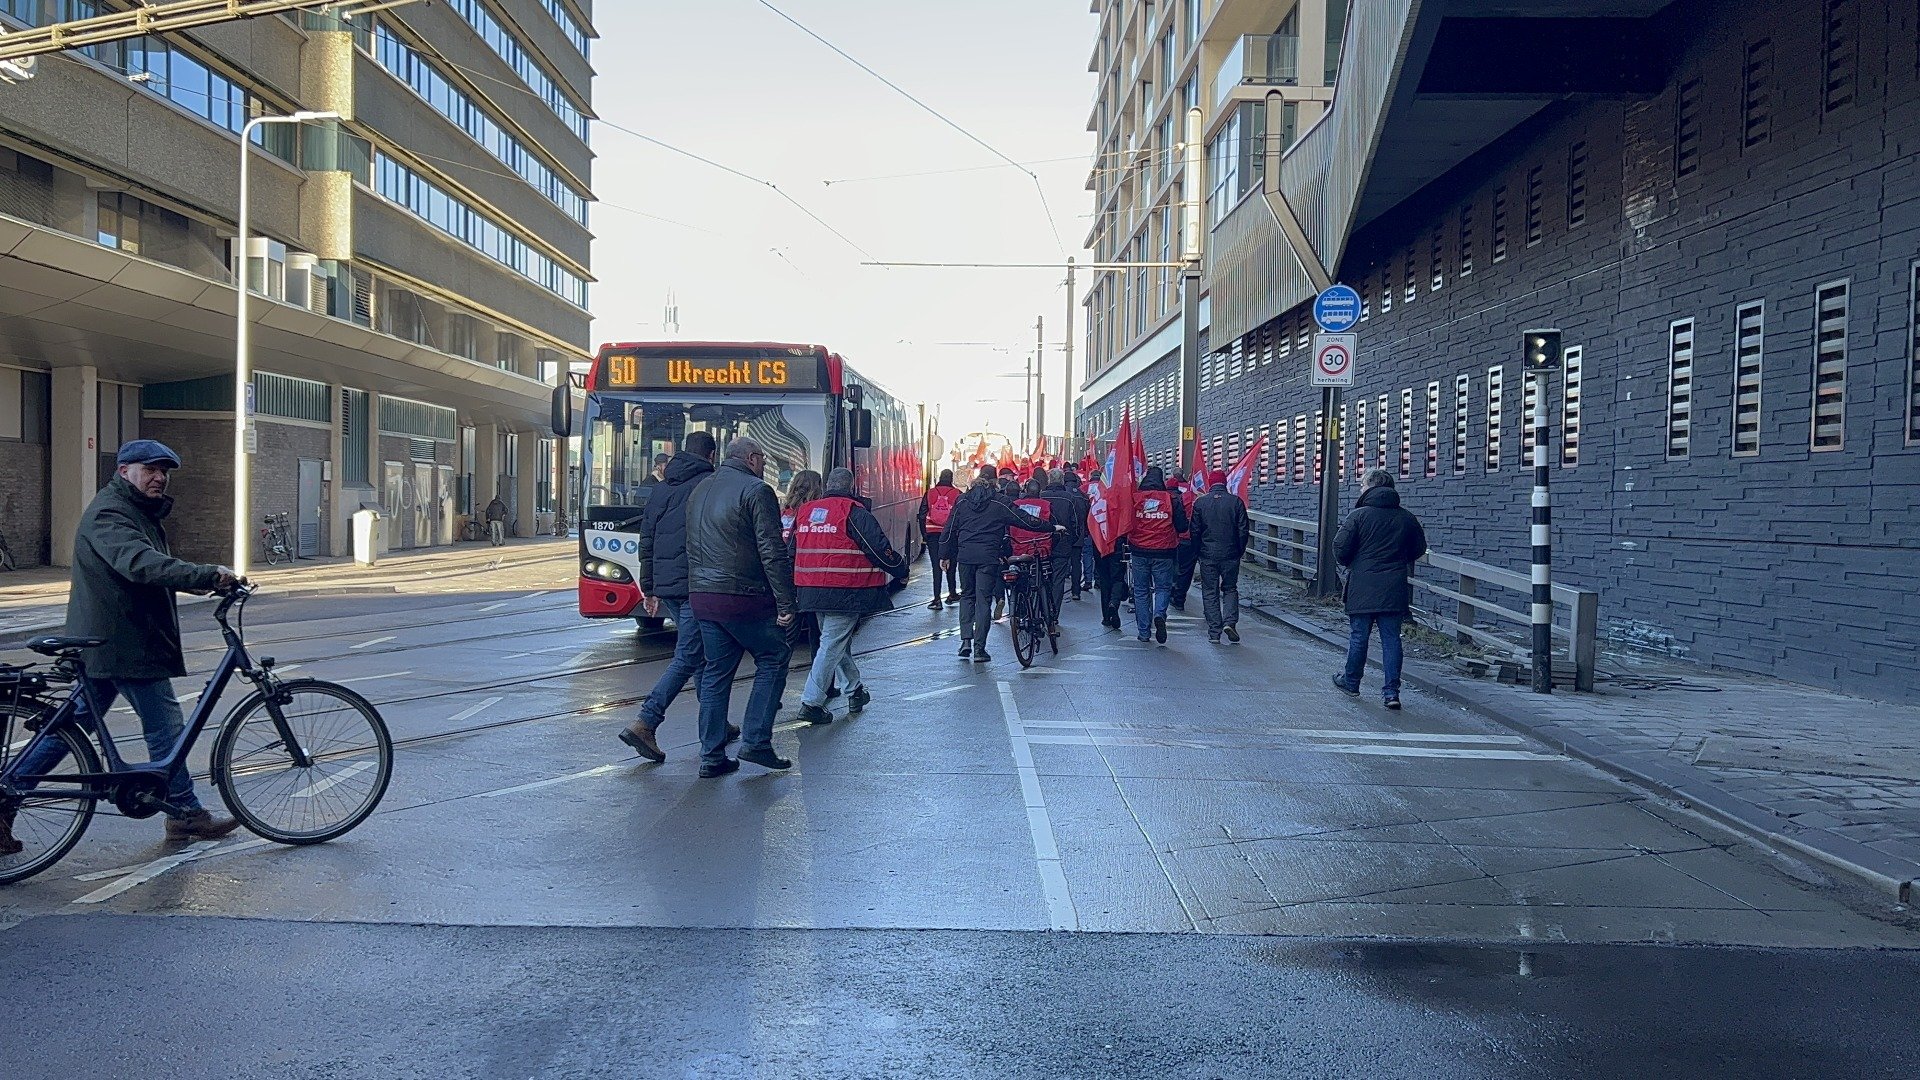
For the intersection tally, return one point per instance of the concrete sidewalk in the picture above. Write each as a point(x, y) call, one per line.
point(1833, 777)
point(35, 601)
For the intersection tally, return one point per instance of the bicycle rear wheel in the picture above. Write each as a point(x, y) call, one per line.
point(1020, 623)
point(48, 825)
point(342, 734)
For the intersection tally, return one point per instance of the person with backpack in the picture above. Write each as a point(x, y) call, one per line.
point(936, 509)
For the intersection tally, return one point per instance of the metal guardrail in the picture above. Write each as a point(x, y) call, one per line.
point(1286, 547)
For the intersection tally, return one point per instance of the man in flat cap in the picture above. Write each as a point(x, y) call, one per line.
point(124, 581)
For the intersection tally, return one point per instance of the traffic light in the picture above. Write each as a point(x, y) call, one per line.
point(1540, 350)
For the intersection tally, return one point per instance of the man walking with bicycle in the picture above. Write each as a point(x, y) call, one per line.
point(123, 586)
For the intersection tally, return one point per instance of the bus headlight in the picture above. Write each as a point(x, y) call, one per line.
point(606, 571)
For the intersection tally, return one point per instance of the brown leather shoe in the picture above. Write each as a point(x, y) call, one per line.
point(8, 845)
point(200, 825)
point(639, 735)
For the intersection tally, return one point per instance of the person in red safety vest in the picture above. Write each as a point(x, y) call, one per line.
point(1027, 541)
point(843, 569)
point(1159, 517)
point(936, 508)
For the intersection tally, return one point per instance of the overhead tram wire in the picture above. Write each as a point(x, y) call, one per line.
point(1149, 157)
point(1038, 187)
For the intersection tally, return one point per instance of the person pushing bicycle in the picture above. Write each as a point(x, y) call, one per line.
point(123, 586)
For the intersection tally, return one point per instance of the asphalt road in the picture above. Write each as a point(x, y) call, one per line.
point(1255, 875)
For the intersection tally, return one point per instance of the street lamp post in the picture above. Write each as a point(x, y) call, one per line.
point(243, 433)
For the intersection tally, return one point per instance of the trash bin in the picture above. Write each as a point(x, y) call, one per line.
point(369, 535)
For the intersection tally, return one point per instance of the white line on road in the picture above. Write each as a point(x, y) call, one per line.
point(372, 678)
point(937, 693)
point(1308, 747)
point(373, 641)
point(1046, 850)
point(473, 710)
point(539, 652)
point(556, 780)
point(147, 873)
point(495, 607)
point(340, 777)
point(1305, 733)
point(229, 849)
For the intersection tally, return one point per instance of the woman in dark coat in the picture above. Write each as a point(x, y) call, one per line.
point(1378, 544)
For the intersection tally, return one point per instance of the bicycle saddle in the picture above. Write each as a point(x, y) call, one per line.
point(64, 646)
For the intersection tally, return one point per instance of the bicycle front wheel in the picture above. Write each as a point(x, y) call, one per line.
point(48, 824)
point(349, 753)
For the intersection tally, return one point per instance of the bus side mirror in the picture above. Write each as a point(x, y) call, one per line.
point(860, 428)
point(563, 411)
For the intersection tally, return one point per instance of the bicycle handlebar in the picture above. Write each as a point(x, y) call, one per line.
point(236, 593)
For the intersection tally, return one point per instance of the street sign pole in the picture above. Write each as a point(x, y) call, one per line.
point(1336, 309)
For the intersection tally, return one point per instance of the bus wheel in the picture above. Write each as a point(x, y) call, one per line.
point(649, 624)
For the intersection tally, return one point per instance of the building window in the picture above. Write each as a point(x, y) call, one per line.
point(1466, 240)
point(1749, 346)
point(1840, 55)
point(1433, 430)
point(1570, 406)
point(1359, 437)
point(1381, 433)
point(1496, 406)
point(1300, 448)
point(1830, 367)
point(430, 203)
point(354, 446)
point(1412, 280)
point(1386, 286)
point(1577, 186)
point(1436, 255)
point(1913, 355)
point(119, 222)
point(1406, 433)
point(1462, 391)
point(1499, 223)
point(1268, 451)
point(1686, 128)
point(1679, 389)
point(1533, 206)
point(508, 48)
point(1756, 94)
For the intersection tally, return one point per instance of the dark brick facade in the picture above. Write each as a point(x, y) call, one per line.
point(1773, 163)
point(23, 500)
point(201, 525)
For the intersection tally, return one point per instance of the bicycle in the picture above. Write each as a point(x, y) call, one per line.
point(298, 761)
point(275, 539)
point(1029, 607)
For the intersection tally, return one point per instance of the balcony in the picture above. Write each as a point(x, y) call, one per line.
point(1259, 60)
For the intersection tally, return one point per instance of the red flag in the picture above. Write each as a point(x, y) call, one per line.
point(1198, 474)
point(1240, 479)
point(1137, 446)
point(1112, 502)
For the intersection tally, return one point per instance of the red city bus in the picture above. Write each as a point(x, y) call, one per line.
point(803, 404)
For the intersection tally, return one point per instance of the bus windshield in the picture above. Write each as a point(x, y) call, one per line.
point(629, 436)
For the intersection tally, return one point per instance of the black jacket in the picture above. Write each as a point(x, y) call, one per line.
point(1220, 524)
point(977, 532)
point(872, 541)
point(663, 529)
point(1380, 542)
point(1069, 508)
point(123, 583)
point(733, 538)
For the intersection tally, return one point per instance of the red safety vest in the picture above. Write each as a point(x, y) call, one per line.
point(1153, 521)
point(1026, 541)
point(940, 504)
point(825, 554)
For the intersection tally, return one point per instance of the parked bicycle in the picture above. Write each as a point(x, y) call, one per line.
point(276, 538)
point(298, 761)
point(1030, 614)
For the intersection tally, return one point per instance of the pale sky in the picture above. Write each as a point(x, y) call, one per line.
point(732, 81)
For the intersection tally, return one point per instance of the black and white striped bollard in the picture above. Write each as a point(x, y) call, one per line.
point(1541, 355)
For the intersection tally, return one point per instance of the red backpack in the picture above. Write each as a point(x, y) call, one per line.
point(1026, 541)
point(940, 503)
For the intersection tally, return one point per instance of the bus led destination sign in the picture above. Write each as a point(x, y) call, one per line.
point(716, 373)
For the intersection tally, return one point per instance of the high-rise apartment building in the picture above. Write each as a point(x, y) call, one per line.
point(419, 267)
point(1156, 63)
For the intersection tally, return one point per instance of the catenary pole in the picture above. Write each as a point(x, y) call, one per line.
point(1066, 371)
point(1040, 378)
point(1193, 254)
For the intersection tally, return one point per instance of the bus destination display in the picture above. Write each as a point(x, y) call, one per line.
point(713, 373)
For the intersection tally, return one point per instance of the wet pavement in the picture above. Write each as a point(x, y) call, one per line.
point(1175, 800)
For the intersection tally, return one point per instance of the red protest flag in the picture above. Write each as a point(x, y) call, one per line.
point(1240, 479)
point(1137, 447)
point(1198, 474)
point(1112, 512)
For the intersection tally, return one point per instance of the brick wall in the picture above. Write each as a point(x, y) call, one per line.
point(201, 525)
point(1791, 561)
point(24, 517)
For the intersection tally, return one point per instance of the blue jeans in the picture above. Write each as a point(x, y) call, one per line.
point(689, 656)
point(161, 722)
point(1360, 630)
point(1152, 588)
point(833, 656)
point(1089, 551)
point(725, 643)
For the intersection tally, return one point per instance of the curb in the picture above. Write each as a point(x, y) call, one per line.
point(1696, 789)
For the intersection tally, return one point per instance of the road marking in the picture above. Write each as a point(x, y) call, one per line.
point(147, 873)
point(474, 710)
point(539, 652)
point(121, 871)
point(1046, 850)
point(373, 641)
point(583, 654)
point(340, 777)
point(937, 693)
point(556, 780)
point(1307, 733)
point(372, 678)
point(1308, 747)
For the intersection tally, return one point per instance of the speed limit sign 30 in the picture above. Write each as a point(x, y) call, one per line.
point(1333, 359)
